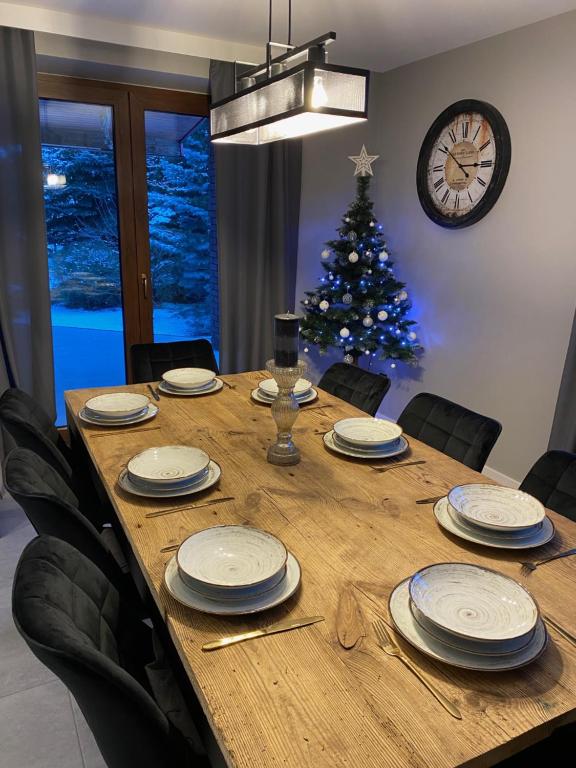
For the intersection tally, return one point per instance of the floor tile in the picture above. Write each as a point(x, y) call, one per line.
point(90, 751)
point(37, 729)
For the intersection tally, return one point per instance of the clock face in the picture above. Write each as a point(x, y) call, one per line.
point(463, 163)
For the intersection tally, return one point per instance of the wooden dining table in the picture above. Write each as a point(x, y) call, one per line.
point(300, 698)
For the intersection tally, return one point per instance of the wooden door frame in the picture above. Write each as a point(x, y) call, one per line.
point(129, 103)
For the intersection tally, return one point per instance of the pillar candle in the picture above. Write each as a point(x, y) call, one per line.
point(286, 340)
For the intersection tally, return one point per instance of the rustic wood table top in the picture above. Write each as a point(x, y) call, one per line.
point(299, 698)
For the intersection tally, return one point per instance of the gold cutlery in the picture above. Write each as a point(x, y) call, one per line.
point(305, 407)
point(389, 647)
point(161, 512)
point(527, 567)
point(397, 466)
point(281, 626)
point(230, 386)
point(431, 500)
point(560, 629)
point(153, 392)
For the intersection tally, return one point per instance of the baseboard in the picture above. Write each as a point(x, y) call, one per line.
point(500, 477)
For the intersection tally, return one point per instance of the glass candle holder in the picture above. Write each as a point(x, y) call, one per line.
point(285, 412)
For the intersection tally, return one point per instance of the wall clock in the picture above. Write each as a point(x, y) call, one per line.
point(463, 163)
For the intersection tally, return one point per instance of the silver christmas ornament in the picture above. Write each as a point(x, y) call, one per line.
point(352, 236)
point(382, 315)
point(347, 298)
point(306, 350)
point(344, 332)
point(372, 224)
point(348, 359)
point(353, 257)
point(383, 256)
point(367, 322)
point(403, 295)
point(325, 254)
point(412, 336)
point(324, 305)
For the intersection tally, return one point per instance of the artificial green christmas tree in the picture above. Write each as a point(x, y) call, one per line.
point(360, 307)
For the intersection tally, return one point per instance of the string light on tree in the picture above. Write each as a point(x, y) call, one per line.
point(360, 306)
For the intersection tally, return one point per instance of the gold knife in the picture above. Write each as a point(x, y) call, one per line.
point(281, 626)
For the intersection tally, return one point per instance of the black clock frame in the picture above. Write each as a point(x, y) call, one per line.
point(503, 154)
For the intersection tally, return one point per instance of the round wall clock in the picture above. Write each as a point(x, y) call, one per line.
point(463, 163)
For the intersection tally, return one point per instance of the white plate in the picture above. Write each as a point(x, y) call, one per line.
point(265, 397)
point(270, 387)
point(255, 394)
point(358, 453)
point(221, 595)
point(366, 451)
point(365, 432)
point(215, 386)
point(473, 602)
point(208, 481)
point(150, 412)
point(167, 464)
point(495, 507)
point(408, 627)
point(188, 378)
point(487, 538)
point(270, 599)
point(231, 557)
point(117, 405)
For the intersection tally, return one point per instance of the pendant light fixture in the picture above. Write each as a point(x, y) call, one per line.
point(294, 94)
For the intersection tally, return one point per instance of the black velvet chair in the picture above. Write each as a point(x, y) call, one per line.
point(363, 389)
point(29, 426)
point(150, 361)
point(78, 625)
point(52, 508)
point(552, 480)
point(452, 429)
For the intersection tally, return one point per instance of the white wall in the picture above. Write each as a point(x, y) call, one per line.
point(494, 301)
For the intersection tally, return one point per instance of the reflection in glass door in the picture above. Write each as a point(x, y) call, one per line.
point(181, 227)
point(83, 246)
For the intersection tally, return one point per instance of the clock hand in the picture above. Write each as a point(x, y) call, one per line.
point(456, 161)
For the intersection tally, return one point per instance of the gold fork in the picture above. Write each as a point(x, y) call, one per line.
point(389, 647)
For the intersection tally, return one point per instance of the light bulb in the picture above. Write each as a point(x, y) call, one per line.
point(319, 95)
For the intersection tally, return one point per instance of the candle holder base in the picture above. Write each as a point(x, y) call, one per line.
point(285, 412)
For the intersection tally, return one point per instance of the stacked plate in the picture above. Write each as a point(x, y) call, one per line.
point(190, 382)
point(118, 409)
point(232, 569)
point(469, 616)
point(267, 391)
point(366, 438)
point(172, 470)
point(494, 516)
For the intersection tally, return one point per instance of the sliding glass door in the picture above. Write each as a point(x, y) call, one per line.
point(129, 215)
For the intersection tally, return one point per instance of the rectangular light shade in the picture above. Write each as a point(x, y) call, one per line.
point(310, 98)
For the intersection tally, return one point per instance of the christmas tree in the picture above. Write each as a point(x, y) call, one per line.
point(360, 307)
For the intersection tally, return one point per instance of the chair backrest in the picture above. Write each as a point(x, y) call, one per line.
point(552, 480)
point(29, 426)
point(52, 507)
point(150, 361)
point(452, 429)
point(363, 389)
point(76, 623)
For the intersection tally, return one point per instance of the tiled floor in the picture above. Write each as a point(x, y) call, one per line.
point(40, 724)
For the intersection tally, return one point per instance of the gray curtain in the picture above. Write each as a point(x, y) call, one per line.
point(563, 435)
point(25, 327)
point(257, 212)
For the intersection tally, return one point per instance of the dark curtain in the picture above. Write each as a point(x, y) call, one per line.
point(563, 435)
point(25, 327)
point(257, 212)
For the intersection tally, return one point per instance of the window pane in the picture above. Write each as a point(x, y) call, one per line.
point(182, 234)
point(83, 247)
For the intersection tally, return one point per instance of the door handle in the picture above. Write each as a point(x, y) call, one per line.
point(144, 278)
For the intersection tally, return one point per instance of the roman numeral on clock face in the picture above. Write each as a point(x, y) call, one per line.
point(486, 143)
point(438, 168)
point(486, 164)
point(465, 130)
point(457, 201)
point(446, 196)
point(438, 184)
point(480, 181)
point(452, 136)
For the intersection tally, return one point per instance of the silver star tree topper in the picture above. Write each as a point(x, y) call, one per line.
point(363, 162)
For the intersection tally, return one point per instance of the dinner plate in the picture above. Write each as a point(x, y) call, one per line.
point(358, 453)
point(150, 412)
point(215, 386)
point(366, 451)
point(311, 396)
point(117, 405)
point(412, 632)
point(208, 481)
point(188, 378)
point(473, 602)
point(230, 557)
point(270, 387)
point(495, 507)
point(285, 589)
point(458, 527)
point(365, 432)
point(167, 464)
point(175, 486)
point(226, 595)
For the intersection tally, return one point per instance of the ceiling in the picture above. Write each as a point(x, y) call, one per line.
point(379, 34)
